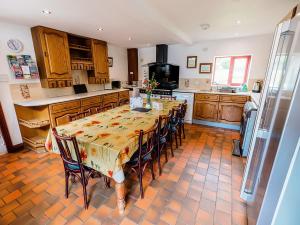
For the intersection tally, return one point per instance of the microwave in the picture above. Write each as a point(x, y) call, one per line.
point(116, 84)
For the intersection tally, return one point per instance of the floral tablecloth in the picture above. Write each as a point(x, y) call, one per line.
point(107, 140)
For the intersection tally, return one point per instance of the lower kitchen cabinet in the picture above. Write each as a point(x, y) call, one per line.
point(219, 108)
point(230, 113)
point(204, 110)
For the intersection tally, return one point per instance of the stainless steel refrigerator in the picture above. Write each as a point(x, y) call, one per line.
point(277, 127)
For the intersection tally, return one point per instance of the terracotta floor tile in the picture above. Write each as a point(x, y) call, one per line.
point(54, 210)
point(204, 217)
point(92, 221)
point(200, 185)
point(222, 218)
point(127, 221)
point(169, 216)
point(12, 196)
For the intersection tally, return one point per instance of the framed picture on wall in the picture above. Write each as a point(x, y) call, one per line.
point(191, 62)
point(205, 67)
point(110, 61)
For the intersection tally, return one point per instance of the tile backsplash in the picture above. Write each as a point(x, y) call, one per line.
point(203, 83)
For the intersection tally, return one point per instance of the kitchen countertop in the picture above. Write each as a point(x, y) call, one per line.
point(48, 101)
point(210, 92)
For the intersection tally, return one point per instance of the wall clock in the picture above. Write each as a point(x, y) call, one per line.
point(15, 45)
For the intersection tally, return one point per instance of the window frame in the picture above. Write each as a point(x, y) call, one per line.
point(231, 69)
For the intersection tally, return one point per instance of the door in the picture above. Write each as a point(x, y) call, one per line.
point(56, 54)
point(266, 136)
point(206, 110)
point(100, 59)
point(132, 57)
point(230, 113)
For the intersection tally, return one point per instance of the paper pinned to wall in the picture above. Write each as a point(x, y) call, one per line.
point(23, 67)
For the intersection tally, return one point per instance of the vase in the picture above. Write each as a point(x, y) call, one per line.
point(148, 103)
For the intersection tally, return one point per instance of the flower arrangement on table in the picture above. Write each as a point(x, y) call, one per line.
point(149, 85)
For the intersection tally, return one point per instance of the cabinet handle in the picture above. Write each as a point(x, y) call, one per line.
point(46, 54)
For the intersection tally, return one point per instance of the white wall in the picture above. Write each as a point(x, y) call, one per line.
point(258, 46)
point(22, 33)
point(119, 70)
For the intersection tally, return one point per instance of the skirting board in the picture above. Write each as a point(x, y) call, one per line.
point(216, 124)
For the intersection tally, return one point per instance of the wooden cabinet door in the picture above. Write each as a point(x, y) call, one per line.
point(230, 113)
point(56, 54)
point(204, 110)
point(100, 58)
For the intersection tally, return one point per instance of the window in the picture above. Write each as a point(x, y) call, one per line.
point(231, 70)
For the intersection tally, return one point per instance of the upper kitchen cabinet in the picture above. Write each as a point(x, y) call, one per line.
point(100, 59)
point(53, 57)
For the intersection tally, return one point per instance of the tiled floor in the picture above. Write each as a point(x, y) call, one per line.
point(200, 185)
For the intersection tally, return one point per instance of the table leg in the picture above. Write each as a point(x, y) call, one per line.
point(120, 190)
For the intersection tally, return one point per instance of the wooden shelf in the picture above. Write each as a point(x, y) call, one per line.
point(80, 48)
point(35, 143)
point(82, 60)
point(34, 123)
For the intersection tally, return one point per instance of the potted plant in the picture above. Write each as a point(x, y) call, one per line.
point(149, 85)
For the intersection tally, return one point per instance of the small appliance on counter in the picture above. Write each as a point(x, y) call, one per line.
point(115, 84)
point(80, 88)
point(257, 86)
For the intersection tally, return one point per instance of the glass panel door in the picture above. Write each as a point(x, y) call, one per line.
point(269, 111)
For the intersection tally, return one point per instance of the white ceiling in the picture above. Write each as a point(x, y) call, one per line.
point(151, 22)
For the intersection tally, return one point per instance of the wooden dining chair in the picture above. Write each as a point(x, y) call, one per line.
point(74, 166)
point(182, 108)
point(174, 127)
point(107, 107)
point(144, 155)
point(163, 133)
point(123, 102)
point(168, 97)
point(79, 115)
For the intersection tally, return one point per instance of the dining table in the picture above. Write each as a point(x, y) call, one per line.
point(107, 140)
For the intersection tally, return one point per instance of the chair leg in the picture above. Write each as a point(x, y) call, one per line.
point(107, 182)
point(67, 184)
point(171, 141)
point(176, 141)
point(141, 184)
point(183, 131)
point(180, 133)
point(152, 170)
point(84, 193)
point(158, 160)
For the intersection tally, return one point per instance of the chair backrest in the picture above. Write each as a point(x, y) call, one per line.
point(183, 108)
point(80, 115)
point(107, 107)
point(168, 97)
point(151, 140)
point(163, 124)
point(175, 116)
point(123, 102)
point(64, 143)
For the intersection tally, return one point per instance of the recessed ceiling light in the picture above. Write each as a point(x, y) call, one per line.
point(46, 12)
point(238, 22)
point(100, 29)
point(129, 38)
point(204, 26)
